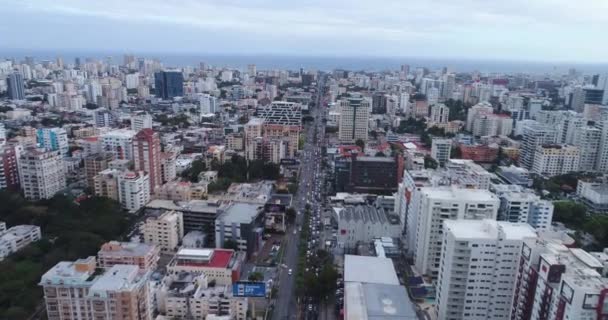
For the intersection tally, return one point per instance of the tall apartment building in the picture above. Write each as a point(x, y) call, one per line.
point(74, 291)
point(440, 113)
point(552, 160)
point(479, 260)
point(146, 155)
point(133, 190)
point(103, 118)
point(105, 184)
point(441, 150)
point(119, 143)
point(169, 84)
point(165, 229)
point(435, 205)
point(53, 139)
point(41, 174)
point(143, 255)
point(168, 166)
point(94, 164)
point(601, 164)
point(482, 108)
point(587, 139)
point(520, 205)
point(492, 125)
point(534, 135)
point(15, 86)
point(9, 170)
point(557, 282)
point(354, 116)
point(141, 121)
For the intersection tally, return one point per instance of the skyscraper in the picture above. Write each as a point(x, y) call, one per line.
point(41, 174)
point(16, 89)
point(169, 84)
point(354, 116)
point(146, 155)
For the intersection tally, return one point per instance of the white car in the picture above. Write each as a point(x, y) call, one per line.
point(289, 272)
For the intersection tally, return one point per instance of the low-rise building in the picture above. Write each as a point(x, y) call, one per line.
point(16, 238)
point(241, 223)
point(140, 254)
point(362, 224)
point(594, 195)
point(220, 265)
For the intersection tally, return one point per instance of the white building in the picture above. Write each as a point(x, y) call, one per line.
point(587, 139)
point(362, 224)
point(53, 139)
point(132, 80)
point(165, 230)
point(440, 150)
point(133, 190)
point(208, 104)
point(552, 160)
point(440, 113)
point(482, 108)
point(436, 205)
point(41, 174)
point(534, 135)
point(479, 260)
point(523, 206)
point(119, 143)
point(16, 238)
point(141, 121)
point(354, 116)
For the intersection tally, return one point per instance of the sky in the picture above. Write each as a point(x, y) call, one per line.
point(526, 30)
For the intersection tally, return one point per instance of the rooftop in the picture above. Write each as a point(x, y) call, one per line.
point(121, 249)
point(212, 258)
point(239, 212)
point(378, 302)
point(458, 194)
point(120, 277)
point(369, 270)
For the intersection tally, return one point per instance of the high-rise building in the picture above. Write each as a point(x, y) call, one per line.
point(75, 291)
point(165, 230)
point(146, 155)
point(523, 206)
point(479, 260)
point(169, 84)
point(534, 135)
point(53, 139)
point(16, 89)
point(133, 190)
point(141, 121)
point(94, 164)
point(482, 108)
point(41, 174)
point(440, 150)
point(103, 118)
point(435, 205)
point(354, 116)
point(440, 113)
point(9, 170)
point(601, 164)
point(207, 103)
point(105, 184)
point(552, 160)
point(119, 143)
point(577, 99)
point(587, 139)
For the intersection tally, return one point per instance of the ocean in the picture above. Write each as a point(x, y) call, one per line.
point(324, 63)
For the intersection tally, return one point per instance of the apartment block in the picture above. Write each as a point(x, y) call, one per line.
point(164, 229)
point(41, 174)
point(143, 255)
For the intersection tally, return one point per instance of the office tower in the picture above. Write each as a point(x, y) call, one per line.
point(479, 260)
point(433, 207)
point(587, 139)
point(553, 160)
point(440, 113)
point(78, 291)
point(602, 84)
point(53, 139)
point(169, 84)
point(449, 86)
point(119, 143)
point(534, 135)
point(593, 96)
point(9, 170)
point(354, 116)
point(523, 206)
point(141, 121)
point(483, 108)
point(41, 174)
point(146, 155)
point(15, 86)
point(133, 190)
point(94, 164)
point(165, 230)
point(440, 150)
point(432, 96)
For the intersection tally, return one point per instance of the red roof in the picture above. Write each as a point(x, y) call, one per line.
point(221, 258)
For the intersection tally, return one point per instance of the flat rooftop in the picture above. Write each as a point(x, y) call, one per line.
point(212, 258)
point(239, 212)
point(458, 194)
point(369, 270)
point(377, 302)
point(489, 229)
point(118, 278)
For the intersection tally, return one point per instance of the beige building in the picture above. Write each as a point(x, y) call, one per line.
point(235, 141)
point(175, 190)
point(140, 254)
point(75, 291)
point(354, 116)
point(165, 230)
point(552, 160)
point(95, 163)
point(220, 265)
point(105, 184)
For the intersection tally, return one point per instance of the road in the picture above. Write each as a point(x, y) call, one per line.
point(285, 306)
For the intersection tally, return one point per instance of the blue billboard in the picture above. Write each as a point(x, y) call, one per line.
point(249, 289)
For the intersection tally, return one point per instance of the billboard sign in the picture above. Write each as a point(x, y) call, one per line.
point(249, 289)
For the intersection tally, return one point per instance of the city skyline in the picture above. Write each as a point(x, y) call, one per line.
point(545, 31)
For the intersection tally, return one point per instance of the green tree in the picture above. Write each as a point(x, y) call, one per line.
point(256, 276)
point(570, 213)
point(430, 163)
point(290, 214)
point(230, 244)
point(360, 143)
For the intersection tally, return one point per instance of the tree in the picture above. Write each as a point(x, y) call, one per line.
point(455, 153)
point(430, 163)
point(290, 214)
point(374, 134)
point(195, 169)
point(230, 244)
point(360, 143)
point(380, 154)
point(570, 213)
point(256, 276)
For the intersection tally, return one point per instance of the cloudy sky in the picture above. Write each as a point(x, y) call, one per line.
point(535, 30)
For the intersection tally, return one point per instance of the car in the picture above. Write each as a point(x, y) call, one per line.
point(289, 272)
point(310, 307)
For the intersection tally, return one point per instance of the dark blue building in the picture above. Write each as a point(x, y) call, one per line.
point(169, 84)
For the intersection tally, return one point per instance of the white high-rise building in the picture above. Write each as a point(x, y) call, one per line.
point(524, 206)
point(440, 150)
point(601, 164)
point(587, 139)
point(534, 135)
point(132, 80)
point(553, 160)
point(435, 205)
point(133, 190)
point(41, 174)
point(440, 113)
point(119, 143)
point(482, 108)
point(479, 260)
point(141, 121)
point(354, 116)
point(53, 139)
point(208, 104)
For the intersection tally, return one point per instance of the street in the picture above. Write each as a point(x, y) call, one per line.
point(285, 306)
